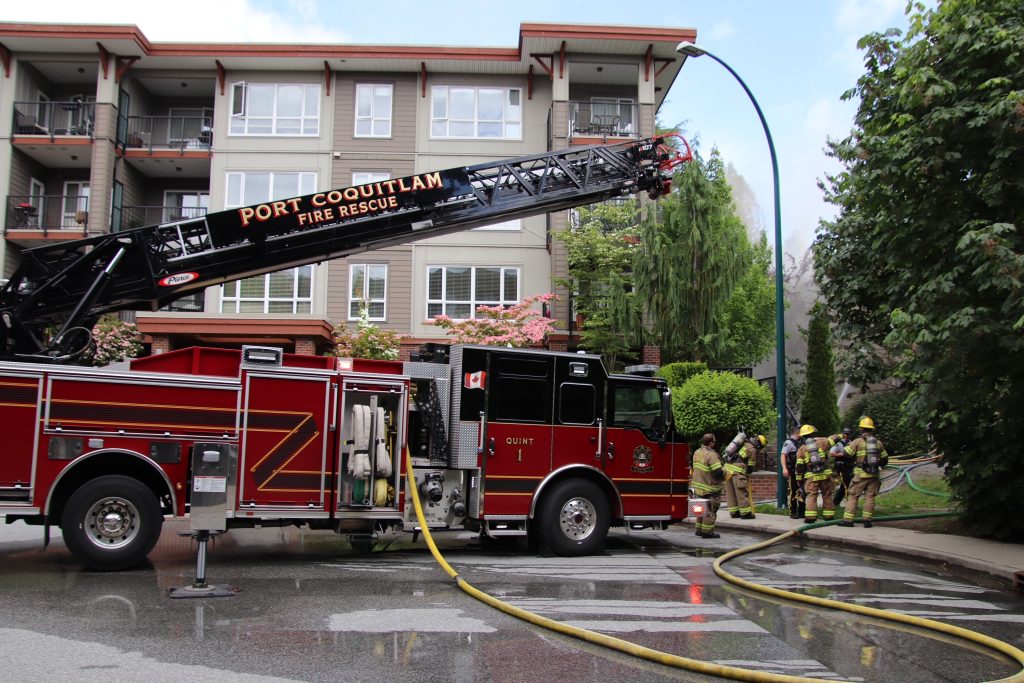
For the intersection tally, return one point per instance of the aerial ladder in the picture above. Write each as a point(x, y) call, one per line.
point(51, 301)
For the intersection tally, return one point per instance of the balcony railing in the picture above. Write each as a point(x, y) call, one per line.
point(47, 212)
point(73, 117)
point(603, 119)
point(193, 303)
point(138, 216)
point(167, 132)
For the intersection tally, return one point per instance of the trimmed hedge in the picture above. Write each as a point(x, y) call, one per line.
point(898, 433)
point(676, 374)
point(720, 403)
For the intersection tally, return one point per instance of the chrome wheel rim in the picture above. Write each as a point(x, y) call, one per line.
point(112, 522)
point(578, 518)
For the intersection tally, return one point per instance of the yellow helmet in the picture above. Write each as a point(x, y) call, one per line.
point(867, 423)
point(807, 430)
point(763, 440)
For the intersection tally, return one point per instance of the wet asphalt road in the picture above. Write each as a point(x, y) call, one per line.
point(312, 608)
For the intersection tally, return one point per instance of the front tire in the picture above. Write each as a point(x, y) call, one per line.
point(574, 518)
point(112, 522)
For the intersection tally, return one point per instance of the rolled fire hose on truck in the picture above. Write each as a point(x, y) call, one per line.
point(721, 670)
point(359, 454)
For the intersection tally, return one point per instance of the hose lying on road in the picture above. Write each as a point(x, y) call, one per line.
point(721, 670)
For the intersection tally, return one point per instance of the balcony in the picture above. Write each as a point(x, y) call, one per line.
point(167, 146)
point(179, 133)
point(74, 118)
point(42, 219)
point(602, 121)
point(139, 216)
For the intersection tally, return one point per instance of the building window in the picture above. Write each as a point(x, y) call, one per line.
point(367, 286)
point(456, 291)
point(275, 109)
point(468, 112)
point(373, 110)
point(616, 109)
point(366, 177)
point(287, 291)
point(514, 225)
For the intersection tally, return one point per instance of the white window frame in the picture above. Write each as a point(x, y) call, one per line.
point(506, 298)
point(242, 122)
point(231, 292)
point(441, 120)
point(73, 202)
point(367, 177)
point(356, 300)
point(374, 117)
point(617, 105)
point(514, 225)
point(37, 198)
point(175, 209)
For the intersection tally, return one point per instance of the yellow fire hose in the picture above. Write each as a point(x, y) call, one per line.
point(721, 670)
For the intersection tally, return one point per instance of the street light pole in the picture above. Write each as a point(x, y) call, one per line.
point(690, 50)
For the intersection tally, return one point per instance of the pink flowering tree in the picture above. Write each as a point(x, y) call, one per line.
point(519, 325)
point(112, 340)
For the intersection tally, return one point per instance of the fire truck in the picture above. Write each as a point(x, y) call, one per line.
point(504, 442)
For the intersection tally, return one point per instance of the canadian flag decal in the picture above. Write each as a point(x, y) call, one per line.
point(475, 380)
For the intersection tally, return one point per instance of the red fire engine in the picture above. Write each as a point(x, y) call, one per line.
point(507, 442)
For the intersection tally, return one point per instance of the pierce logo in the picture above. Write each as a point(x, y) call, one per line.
point(178, 279)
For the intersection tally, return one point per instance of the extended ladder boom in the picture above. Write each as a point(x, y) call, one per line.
point(69, 285)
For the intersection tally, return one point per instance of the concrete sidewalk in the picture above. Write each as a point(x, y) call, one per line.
point(1002, 560)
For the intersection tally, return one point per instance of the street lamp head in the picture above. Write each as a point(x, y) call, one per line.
point(689, 49)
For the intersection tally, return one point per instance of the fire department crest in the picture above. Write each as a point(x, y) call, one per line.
point(642, 459)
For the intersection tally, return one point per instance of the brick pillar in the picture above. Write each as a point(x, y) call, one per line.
point(305, 346)
point(560, 345)
point(652, 355)
point(160, 344)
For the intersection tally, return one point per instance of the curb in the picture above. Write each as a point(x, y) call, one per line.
point(1003, 572)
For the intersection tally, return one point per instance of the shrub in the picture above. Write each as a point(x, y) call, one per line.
point(367, 341)
point(113, 339)
point(676, 374)
point(899, 433)
point(518, 325)
point(720, 403)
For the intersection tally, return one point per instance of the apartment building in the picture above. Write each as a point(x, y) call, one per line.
point(105, 130)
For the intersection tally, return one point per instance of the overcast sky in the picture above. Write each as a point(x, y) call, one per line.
point(796, 56)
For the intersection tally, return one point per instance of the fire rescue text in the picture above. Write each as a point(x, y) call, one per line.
point(337, 204)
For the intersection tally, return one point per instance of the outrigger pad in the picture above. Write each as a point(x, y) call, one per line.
point(203, 592)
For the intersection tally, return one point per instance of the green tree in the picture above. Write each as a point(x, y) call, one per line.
point(819, 406)
point(599, 253)
point(923, 266)
point(748, 318)
point(690, 258)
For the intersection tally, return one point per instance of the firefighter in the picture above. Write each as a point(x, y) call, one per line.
point(740, 462)
point(788, 459)
point(869, 457)
point(844, 463)
point(814, 467)
point(706, 482)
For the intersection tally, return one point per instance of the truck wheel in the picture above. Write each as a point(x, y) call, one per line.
point(574, 518)
point(111, 522)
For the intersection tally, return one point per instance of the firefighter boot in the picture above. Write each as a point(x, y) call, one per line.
point(847, 523)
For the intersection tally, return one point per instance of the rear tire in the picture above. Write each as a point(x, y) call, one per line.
point(111, 523)
point(574, 518)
